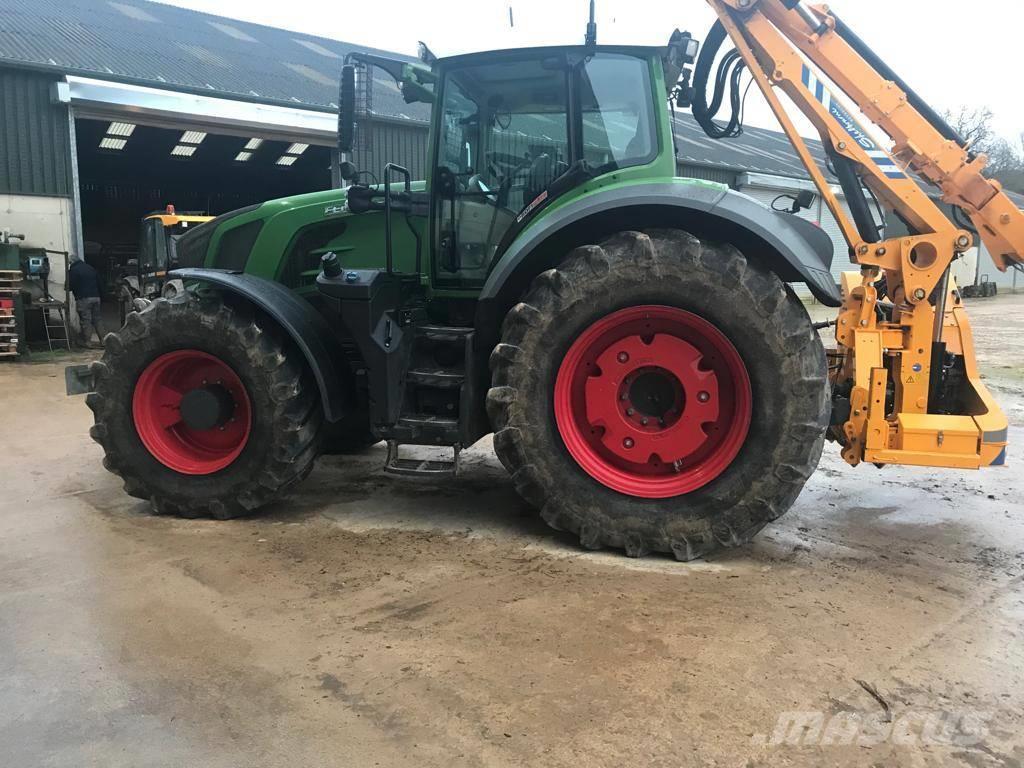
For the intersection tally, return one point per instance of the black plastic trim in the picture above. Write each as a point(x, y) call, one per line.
point(804, 248)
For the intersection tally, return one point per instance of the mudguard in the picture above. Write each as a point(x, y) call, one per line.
point(300, 320)
point(796, 249)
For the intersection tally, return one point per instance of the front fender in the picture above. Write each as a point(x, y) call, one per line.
point(299, 320)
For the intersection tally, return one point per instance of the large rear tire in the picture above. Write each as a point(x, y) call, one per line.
point(203, 409)
point(659, 394)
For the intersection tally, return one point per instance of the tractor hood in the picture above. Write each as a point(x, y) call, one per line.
point(283, 239)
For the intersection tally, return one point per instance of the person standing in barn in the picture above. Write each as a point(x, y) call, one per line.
point(85, 285)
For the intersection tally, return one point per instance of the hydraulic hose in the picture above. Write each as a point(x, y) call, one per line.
point(730, 70)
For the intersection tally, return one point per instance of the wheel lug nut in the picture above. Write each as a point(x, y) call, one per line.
point(623, 357)
point(629, 411)
point(703, 397)
point(644, 422)
point(628, 442)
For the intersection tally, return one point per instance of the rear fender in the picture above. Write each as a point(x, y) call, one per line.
point(306, 327)
point(796, 250)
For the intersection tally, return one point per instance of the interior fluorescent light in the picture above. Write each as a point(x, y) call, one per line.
point(192, 137)
point(120, 129)
point(109, 143)
point(297, 149)
point(286, 160)
point(253, 144)
point(242, 157)
point(182, 151)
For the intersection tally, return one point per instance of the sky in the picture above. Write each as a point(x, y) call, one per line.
point(949, 57)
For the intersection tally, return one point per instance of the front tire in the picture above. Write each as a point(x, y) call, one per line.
point(659, 394)
point(203, 409)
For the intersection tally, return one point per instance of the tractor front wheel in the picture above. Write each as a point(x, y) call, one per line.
point(203, 409)
point(659, 394)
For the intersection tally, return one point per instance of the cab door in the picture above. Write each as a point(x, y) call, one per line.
point(503, 137)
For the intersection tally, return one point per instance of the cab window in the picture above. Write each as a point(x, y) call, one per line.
point(618, 119)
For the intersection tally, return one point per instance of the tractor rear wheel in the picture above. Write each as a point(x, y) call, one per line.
point(659, 394)
point(203, 410)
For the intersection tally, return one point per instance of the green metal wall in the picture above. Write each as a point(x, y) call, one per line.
point(35, 147)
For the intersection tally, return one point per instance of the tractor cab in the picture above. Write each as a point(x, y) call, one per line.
point(514, 132)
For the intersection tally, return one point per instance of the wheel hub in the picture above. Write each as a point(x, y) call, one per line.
point(655, 393)
point(653, 401)
point(191, 412)
point(207, 407)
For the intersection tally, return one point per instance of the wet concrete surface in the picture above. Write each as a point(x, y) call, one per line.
point(375, 621)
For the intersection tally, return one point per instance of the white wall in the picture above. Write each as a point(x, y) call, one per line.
point(46, 222)
point(1006, 281)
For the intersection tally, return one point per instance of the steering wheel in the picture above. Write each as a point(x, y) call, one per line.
point(476, 184)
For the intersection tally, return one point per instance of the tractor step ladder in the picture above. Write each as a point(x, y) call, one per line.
point(396, 465)
point(432, 401)
point(61, 325)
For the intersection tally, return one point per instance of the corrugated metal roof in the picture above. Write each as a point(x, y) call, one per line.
point(757, 150)
point(180, 49)
point(171, 47)
point(176, 48)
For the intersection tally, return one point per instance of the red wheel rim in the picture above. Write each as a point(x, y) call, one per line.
point(653, 402)
point(156, 411)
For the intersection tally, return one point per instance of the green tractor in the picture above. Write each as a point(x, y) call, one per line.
point(630, 337)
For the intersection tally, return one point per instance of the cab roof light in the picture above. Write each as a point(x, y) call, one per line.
point(286, 159)
point(243, 157)
point(253, 144)
point(296, 149)
point(183, 151)
point(109, 143)
point(192, 137)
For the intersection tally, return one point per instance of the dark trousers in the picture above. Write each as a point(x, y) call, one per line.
point(89, 318)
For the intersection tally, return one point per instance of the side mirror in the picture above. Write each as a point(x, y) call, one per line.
point(347, 109)
point(804, 200)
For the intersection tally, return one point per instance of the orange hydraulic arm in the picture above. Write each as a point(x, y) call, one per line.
point(907, 363)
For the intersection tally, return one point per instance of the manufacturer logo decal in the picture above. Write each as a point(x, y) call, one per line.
point(530, 208)
point(882, 158)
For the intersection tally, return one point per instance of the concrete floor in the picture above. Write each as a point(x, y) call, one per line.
point(374, 621)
